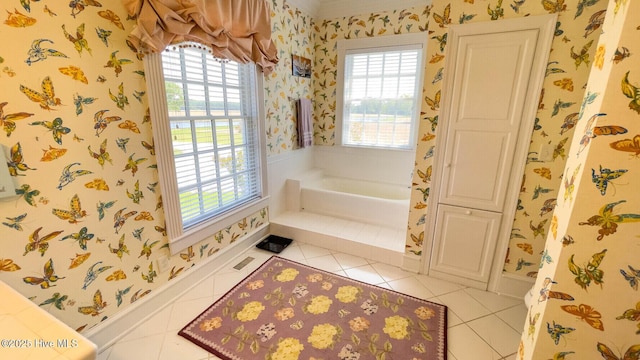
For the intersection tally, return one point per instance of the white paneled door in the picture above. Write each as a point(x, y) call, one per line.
point(493, 78)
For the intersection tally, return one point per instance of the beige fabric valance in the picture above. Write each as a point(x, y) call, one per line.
point(238, 30)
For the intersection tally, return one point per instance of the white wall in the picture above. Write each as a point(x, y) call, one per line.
point(282, 167)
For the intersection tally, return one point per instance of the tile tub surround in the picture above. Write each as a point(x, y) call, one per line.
point(29, 332)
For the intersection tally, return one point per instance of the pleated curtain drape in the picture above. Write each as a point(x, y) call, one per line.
point(238, 30)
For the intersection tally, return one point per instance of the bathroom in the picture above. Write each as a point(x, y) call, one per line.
point(297, 30)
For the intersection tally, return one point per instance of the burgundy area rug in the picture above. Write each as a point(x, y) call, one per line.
point(286, 310)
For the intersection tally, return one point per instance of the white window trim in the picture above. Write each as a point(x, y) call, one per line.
point(379, 43)
point(180, 239)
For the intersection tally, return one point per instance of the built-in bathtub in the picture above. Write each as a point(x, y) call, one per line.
point(370, 202)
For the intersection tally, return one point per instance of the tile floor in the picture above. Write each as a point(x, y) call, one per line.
point(482, 325)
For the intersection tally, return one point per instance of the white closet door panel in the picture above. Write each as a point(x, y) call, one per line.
point(466, 240)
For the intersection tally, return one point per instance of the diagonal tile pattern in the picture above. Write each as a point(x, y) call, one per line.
point(482, 325)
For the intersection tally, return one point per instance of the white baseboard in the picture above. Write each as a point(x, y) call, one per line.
point(410, 263)
point(514, 286)
point(116, 327)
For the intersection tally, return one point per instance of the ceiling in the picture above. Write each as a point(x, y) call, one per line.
point(330, 9)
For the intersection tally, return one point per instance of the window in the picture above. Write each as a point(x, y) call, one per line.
point(381, 82)
point(208, 141)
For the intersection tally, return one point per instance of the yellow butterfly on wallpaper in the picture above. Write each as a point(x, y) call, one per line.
point(150, 275)
point(587, 313)
point(632, 92)
point(78, 41)
point(116, 63)
point(147, 248)
point(569, 185)
point(18, 19)
point(132, 164)
point(583, 57)
point(436, 58)
point(434, 103)
point(418, 240)
point(8, 265)
point(129, 125)
point(538, 229)
point(532, 324)
point(136, 194)
point(116, 275)
point(74, 213)
point(425, 176)
point(497, 12)
point(38, 243)
point(554, 7)
point(121, 249)
point(77, 6)
point(544, 172)
point(8, 121)
point(103, 155)
point(631, 315)
point(161, 230)
point(607, 221)
point(78, 260)
point(98, 184)
point(559, 150)
point(47, 278)
point(526, 247)
point(100, 122)
point(243, 224)
point(590, 272)
point(144, 215)
point(444, 19)
point(564, 84)
point(119, 218)
point(75, 73)
point(633, 352)
point(52, 153)
point(98, 305)
point(138, 295)
point(82, 236)
point(188, 255)
point(16, 162)
point(120, 98)
point(47, 98)
point(111, 16)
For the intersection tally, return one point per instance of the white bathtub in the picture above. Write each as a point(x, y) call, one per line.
point(364, 201)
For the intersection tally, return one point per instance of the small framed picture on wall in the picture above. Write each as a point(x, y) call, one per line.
point(301, 66)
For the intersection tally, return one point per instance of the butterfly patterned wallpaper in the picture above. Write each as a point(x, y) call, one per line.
point(292, 33)
point(586, 303)
point(81, 236)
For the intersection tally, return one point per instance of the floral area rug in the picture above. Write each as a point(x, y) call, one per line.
point(286, 310)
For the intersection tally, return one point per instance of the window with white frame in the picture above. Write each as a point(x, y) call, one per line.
point(379, 93)
point(209, 138)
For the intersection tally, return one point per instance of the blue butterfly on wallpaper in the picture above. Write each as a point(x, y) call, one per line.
point(557, 331)
point(37, 53)
point(632, 277)
point(79, 101)
point(606, 175)
point(122, 293)
point(438, 76)
point(104, 35)
point(56, 128)
point(588, 99)
point(81, 237)
point(102, 207)
point(69, 176)
point(14, 222)
point(546, 258)
point(93, 274)
point(522, 263)
point(464, 17)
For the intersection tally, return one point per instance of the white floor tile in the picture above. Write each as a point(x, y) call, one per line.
point(390, 272)
point(157, 324)
point(411, 286)
point(514, 316)
point(492, 301)
point(348, 261)
point(326, 263)
point(465, 306)
point(495, 332)
point(140, 349)
point(177, 347)
point(365, 274)
point(437, 286)
point(465, 344)
point(311, 251)
point(186, 311)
